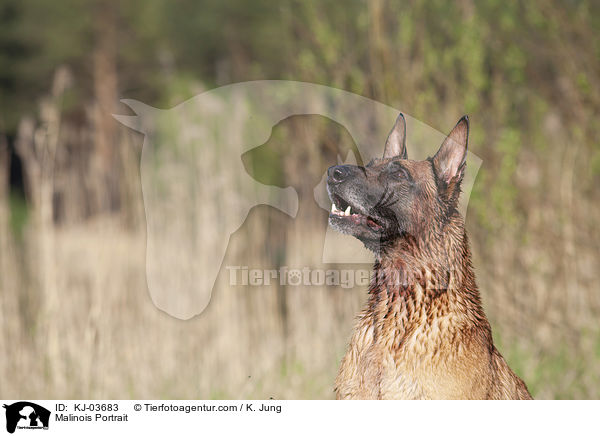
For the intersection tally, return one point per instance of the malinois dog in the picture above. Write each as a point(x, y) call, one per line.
point(423, 333)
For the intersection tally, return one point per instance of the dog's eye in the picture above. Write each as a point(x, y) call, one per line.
point(396, 169)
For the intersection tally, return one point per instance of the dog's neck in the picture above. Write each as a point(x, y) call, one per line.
point(416, 275)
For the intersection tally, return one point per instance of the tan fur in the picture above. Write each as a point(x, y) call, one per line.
point(423, 334)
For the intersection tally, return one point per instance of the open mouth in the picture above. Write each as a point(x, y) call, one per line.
point(342, 210)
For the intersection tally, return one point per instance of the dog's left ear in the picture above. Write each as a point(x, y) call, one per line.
point(395, 145)
point(450, 160)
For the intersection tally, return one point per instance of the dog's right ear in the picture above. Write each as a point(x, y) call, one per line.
point(395, 145)
point(450, 160)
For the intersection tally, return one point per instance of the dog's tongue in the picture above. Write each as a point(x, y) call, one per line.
point(372, 224)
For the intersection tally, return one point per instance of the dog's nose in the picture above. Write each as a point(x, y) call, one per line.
point(338, 173)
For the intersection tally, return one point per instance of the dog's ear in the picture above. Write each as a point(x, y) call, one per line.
point(395, 145)
point(450, 160)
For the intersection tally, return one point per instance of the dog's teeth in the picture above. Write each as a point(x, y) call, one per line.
point(332, 208)
point(347, 211)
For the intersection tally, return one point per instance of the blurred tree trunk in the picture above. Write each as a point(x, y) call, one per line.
point(105, 93)
point(377, 50)
point(4, 211)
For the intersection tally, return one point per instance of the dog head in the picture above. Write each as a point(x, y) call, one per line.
point(394, 197)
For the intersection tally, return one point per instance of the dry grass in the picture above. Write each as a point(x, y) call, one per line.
point(100, 336)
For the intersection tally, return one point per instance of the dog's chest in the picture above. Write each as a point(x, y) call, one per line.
point(392, 352)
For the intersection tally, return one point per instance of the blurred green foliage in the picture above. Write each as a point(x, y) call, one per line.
point(507, 64)
point(473, 54)
point(560, 374)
